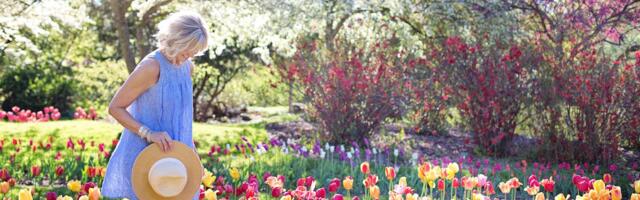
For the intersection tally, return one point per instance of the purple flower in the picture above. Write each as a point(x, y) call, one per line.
point(367, 154)
point(613, 167)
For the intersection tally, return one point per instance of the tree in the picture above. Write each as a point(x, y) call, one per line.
point(140, 15)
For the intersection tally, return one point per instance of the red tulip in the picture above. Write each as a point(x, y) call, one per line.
point(276, 192)
point(59, 170)
point(607, 178)
point(35, 171)
point(548, 184)
point(321, 193)
point(12, 182)
point(201, 193)
point(51, 196)
point(455, 183)
point(87, 186)
point(301, 182)
point(390, 173)
point(334, 186)
point(533, 181)
point(440, 185)
point(355, 198)
point(309, 180)
point(4, 175)
point(337, 197)
point(364, 167)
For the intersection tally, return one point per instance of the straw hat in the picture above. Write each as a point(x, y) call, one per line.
point(172, 175)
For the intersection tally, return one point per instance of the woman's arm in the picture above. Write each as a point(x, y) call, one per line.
point(141, 79)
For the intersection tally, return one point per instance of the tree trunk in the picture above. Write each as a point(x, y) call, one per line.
point(290, 95)
point(119, 10)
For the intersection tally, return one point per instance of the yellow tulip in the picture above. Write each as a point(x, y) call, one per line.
point(562, 197)
point(476, 196)
point(74, 186)
point(598, 185)
point(83, 197)
point(210, 195)
point(4, 187)
point(636, 186)
point(437, 171)
point(540, 196)
point(635, 197)
point(25, 194)
point(94, 193)
point(403, 181)
point(412, 197)
point(453, 167)
point(64, 198)
point(374, 192)
point(347, 183)
point(504, 187)
point(532, 190)
point(616, 193)
point(423, 170)
point(235, 174)
point(208, 179)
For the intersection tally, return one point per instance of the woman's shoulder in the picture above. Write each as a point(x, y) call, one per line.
point(147, 71)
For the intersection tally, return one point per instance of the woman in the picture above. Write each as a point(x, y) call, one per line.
point(155, 103)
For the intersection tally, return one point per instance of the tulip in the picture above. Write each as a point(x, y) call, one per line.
point(598, 186)
point(35, 171)
point(412, 197)
point(208, 179)
point(74, 186)
point(441, 185)
point(548, 184)
point(286, 197)
point(532, 190)
point(276, 192)
point(64, 198)
point(514, 183)
point(321, 193)
point(562, 197)
point(455, 183)
point(540, 196)
point(390, 173)
point(423, 170)
point(83, 197)
point(403, 181)
point(635, 197)
point(374, 192)
point(210, 195)
point(364, 168)
point(4, 187)
point(504, 187)
point(25, 194)
point(616, 193)
point(51, 196)
point(636, 186)
point(607, 178)
point(234, 173)
point(356, 198)
point(334, 186)
point(482, 180)
point(59, 170)
point(87, 186)
point(94, 193)
point(337, 197)
point(347, 183)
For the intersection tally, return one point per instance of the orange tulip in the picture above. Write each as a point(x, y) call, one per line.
point(4, 187)
point(540, 196)
point(390, 173)
point(94, 193)
point(635, 197)
point(347, 183)
point(375, 192)
point(616, 193)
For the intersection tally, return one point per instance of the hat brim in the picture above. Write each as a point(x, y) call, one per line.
point(153, 153)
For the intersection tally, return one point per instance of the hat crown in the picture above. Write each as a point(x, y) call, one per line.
point(168, 177)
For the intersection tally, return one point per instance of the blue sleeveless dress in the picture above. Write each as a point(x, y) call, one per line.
point(166, 106)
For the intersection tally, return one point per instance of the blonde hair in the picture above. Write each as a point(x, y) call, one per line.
point(182, 31)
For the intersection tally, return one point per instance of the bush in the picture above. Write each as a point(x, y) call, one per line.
point(587, 108)
point(352, 91)
point(38, 86)
point(97, 83)
point(489, 82)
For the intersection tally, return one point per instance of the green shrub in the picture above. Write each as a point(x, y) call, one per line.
point(36, 86)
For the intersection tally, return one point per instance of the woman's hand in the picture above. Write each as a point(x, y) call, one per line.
point(162, 139)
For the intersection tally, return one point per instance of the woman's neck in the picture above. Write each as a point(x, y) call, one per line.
point(172, 60)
